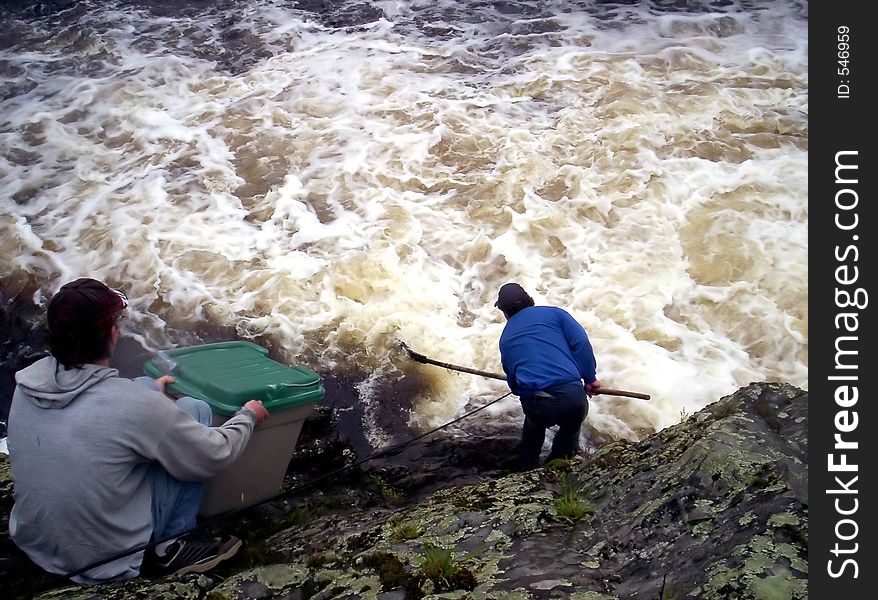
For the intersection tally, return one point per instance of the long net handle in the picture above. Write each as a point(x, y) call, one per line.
point(418, 357)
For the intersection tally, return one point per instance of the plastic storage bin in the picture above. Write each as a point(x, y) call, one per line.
point(226, 375)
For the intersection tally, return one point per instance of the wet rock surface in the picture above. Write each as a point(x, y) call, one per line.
point(714, 507)
point(23, 342)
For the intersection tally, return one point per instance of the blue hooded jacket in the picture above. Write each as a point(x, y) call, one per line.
point(544, 346)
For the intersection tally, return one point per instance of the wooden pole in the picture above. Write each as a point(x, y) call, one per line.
point(418, 357)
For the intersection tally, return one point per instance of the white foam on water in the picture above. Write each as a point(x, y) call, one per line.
point(359, 186)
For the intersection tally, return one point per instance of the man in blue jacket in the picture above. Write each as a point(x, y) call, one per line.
point(550, 365)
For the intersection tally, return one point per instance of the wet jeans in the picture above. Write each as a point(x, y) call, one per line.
point(566, 408)
point(175, 503)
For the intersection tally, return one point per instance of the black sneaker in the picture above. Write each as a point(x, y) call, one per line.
point(190, 555)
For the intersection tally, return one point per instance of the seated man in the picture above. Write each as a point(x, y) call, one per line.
point(102, 465)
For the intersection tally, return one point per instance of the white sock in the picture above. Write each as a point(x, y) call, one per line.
point(162, 548)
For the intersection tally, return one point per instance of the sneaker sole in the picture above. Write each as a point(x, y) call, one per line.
point(208, 565)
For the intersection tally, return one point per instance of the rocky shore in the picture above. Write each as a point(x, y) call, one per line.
point(714, 507)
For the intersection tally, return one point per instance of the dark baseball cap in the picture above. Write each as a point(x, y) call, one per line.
point(84, 301)
point(511, 295)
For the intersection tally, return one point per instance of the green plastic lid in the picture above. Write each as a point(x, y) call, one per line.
point(228, 374)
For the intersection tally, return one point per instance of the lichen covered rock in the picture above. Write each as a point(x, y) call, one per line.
point(714, 507)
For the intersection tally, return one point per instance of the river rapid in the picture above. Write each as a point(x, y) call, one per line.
point(331, 178)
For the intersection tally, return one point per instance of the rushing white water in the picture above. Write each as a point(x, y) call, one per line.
point(333, 183)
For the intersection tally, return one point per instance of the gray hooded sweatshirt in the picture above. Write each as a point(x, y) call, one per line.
point(81, 442)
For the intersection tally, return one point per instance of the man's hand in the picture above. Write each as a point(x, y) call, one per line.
point(164, 380)
point(591, 388)
point(258, 409)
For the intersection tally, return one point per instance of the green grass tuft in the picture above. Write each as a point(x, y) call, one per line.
point(574, 502)
point(438, 564)
point(407, 531)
